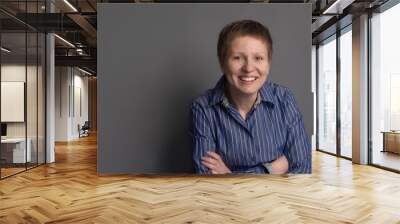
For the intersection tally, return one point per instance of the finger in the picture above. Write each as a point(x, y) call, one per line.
point(208, 165)
point(214, 155)
point(216, 165)
point(215, 169)
point(207, 158)
point(212, 164)
point(210, 159)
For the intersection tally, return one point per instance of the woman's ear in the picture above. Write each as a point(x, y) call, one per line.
point(221, 66)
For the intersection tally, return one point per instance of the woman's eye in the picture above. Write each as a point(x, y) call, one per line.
point(259, 58)
point(236, 57)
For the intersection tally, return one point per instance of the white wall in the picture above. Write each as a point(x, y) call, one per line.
point(71, 94)
point(79, 104)
point(62, 81)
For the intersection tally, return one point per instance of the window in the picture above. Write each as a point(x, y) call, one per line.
point(327, 95)
point(346, 93)
point(385, 87)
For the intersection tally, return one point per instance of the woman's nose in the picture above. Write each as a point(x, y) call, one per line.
point(248, 66)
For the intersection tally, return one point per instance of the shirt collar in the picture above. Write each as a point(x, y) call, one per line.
point(264, 95)
point(266, 92)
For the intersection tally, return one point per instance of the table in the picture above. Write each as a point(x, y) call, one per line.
point(15, 148)
point(391, 141)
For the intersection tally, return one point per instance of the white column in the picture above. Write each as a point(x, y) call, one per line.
point(360, 90)
point(50, 93)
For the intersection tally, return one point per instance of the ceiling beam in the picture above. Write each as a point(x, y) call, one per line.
point(86, 26)
point(85, 61)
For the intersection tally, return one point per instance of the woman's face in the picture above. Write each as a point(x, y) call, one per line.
point(246, 66)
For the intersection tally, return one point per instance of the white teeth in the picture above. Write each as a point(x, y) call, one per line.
point(247, 79)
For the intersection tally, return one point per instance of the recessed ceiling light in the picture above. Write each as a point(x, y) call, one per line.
point(64, 40)
point(5, 50)
point(86, 72)
point(337, 7)
point(70, 5)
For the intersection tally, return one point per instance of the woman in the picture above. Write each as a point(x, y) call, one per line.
point(247, 124)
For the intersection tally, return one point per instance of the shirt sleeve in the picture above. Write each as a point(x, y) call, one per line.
point(258, 169)
point(298, 147)
point(202, 138)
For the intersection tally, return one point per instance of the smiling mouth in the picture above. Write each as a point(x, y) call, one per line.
point(247, 79)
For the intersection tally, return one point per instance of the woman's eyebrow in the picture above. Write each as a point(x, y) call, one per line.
point(240, 52)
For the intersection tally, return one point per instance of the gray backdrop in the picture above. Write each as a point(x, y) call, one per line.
point(154, 59)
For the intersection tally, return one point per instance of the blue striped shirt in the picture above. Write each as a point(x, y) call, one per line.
point(273, 127)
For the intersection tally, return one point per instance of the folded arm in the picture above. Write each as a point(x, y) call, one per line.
point(298, 148)
point(202, 138)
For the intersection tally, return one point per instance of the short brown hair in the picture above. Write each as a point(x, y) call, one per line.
point(242, 28)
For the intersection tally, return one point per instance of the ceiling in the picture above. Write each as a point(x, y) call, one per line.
point(76, 22)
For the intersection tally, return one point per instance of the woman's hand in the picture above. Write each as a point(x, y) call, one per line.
point(214, 163)
point(280, 165)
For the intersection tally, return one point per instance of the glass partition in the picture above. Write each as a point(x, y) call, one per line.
point(31, 100)
point(41, 109)
point(22, 77)
point(14, 153)
point(327, 95)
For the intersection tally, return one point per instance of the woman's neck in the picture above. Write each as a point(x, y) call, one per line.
point(243, 103)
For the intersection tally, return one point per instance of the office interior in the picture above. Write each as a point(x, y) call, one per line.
point(29, 54)
point(49, 80)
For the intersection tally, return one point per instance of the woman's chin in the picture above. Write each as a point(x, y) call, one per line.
point(248, 92)
point(248, 88)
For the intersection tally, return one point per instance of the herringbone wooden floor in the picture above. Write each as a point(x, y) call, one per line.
point(70, 191)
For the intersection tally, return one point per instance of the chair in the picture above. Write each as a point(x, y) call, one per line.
point(84, 130)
